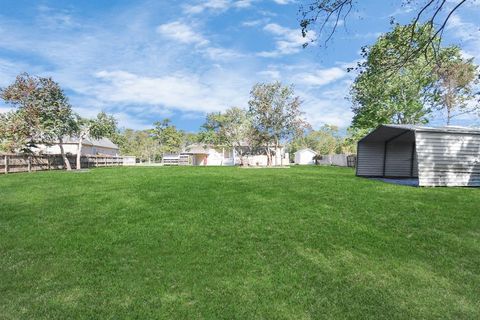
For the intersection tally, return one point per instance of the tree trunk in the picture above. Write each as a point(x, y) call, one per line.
point(276, 155)
point(79, 153)
point(269, 156)
point(449, 116)
point(64, 157)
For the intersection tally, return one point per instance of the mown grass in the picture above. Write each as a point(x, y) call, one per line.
point(231, 243)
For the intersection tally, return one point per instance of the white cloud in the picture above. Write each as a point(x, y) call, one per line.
point(215, 5)
point(468, 33)
point(180, 91)
point(320, 77)
point(283, 2)
point(181, 32)
point(217, 53)
point(325, 105)
point(288, 41)
point(252, 23)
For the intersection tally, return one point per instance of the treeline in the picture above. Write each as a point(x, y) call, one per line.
point(272, 118)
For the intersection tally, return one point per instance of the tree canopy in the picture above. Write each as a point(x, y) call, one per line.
point(408, 94)
point(168, 136)
point(42, 113)
point(276, 116)
point(456, 77)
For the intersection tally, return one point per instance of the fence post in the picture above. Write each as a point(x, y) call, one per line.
point(48, 162)
point(29, 164)
point(6, 164)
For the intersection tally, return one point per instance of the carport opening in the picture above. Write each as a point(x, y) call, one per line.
point(389, 152)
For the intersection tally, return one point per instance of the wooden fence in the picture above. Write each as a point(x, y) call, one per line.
point(27, 163)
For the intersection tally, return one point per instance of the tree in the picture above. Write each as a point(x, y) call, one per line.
point(325, 17)
point(231, 128)
point(168, 136)
point(275, 115)
point(101, 126)
point(139, 143)
point(15, 133)
point(456, 77)
point(43, 113)
point(404, 95)
point(324, 141)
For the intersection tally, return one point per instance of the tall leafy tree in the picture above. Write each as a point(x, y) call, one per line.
point(139, 143)
point(275, 115)
point(405, 95)
point(230, 128)
point(168, 136)
point(42, 111)
point(102, 126)
point(456, 77)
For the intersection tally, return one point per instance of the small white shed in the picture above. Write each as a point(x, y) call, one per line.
point(305, 156)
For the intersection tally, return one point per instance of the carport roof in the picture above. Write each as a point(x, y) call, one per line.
point(389, 131)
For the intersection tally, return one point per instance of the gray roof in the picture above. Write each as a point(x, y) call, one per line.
point(388, 131)
point(102, 143)
point(445, 129)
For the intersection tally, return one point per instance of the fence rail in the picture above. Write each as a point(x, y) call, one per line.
point(10, 163)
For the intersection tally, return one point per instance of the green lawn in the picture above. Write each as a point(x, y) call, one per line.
point(232, 243)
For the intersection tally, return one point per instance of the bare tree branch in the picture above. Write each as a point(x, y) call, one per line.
point(328, 13)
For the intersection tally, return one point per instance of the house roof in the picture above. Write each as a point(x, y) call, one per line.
point(197, 149)
point(102, 143)
point(389, 131)
point(305, 149)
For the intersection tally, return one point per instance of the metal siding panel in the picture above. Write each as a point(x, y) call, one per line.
point(448, 159)
point(370, 159)
point(399, 159)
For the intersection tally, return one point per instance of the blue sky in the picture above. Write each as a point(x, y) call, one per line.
point(146, 60)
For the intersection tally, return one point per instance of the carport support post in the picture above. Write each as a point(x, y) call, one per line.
point(385, 157)
point(412, 158)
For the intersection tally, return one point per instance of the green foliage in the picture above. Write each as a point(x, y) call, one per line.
point(324, 141)
point(275, 115)
point(103, 125)
point(386, 92)
point(456, 78)
point(168, 136)
point(231, 128)
point(139, 143)
point(42, 113)
point(15, 132)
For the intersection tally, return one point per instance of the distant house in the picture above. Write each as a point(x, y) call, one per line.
point(90, 146)
point(305, 156)
point(445, 156)
point(203, 155)
point(209, 155)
